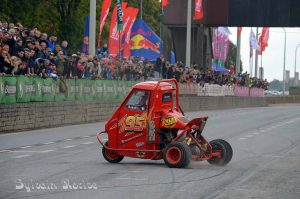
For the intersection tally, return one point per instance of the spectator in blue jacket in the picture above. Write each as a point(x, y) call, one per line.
point(52, 42)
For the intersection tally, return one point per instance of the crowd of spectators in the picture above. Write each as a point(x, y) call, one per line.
point(34, 53)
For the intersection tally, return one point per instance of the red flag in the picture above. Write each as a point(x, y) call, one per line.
point(198, 10)
point(239, 31)
point(113, 42)
point(164, 3)
point(133, 12)
point(104, 13)
point(263, 40)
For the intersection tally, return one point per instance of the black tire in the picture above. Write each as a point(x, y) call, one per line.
point(111, 156)
point(177, 155)
point(226, 152)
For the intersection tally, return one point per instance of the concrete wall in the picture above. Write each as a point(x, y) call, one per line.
point(24, 116)
point(283, 100)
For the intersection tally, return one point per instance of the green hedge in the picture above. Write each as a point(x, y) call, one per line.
point(34, 89)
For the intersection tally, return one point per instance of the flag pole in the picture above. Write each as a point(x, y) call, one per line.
point(256, 56)
point(161, 37)
point(238, 54)
point(141, 9)
point(120, 45)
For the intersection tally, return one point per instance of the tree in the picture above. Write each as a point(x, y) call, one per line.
point(231, 59)
point(275, 85)
point(65, 18)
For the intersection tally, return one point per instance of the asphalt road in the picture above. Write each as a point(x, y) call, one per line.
point(67, 162)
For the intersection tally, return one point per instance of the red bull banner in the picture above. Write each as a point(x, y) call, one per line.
point(144, 42)
point(132, 13)
point(104, 13)
point(198, 10)
point(113, 42)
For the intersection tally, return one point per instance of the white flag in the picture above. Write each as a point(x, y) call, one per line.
point(253, 41)
point(224, 30)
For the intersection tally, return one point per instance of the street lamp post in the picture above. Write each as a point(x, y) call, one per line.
point(295, 81)
point(188, 34)
point(92, 28)
point(283, 83)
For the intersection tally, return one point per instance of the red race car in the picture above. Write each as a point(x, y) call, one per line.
point(150, 124)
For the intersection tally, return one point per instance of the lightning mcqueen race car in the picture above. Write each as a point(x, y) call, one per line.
point(150, 124)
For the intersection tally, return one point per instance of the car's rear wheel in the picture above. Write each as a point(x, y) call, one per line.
point(177, 155)
point(111, 156)
point(225, 149)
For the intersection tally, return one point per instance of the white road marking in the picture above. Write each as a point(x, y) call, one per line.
point(22, 156)
point(249, 136)
point(256, 133)
point(88, 142)
point(24, 147)
point(67, 147)
point(46, 143)
point(137, 179)
point(68, 139)
point(86, 136)
point(243, 138)
point(3, 151)
point(47, 151)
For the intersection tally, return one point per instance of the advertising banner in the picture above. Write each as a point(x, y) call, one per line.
point(48, 90)
point(1, 88)
point(71, 89)
point(113, 40)
point(257, 92)
point(104, 13)
point(132, 16)
point(60, 92)
point(24, 89)
point(241, 91)
point(88, 92)
point(98, 89)
point(36, 93)
point(144, 42)
point(79, 89)
point(36, 89)
point(10, 89)
point(109, 92)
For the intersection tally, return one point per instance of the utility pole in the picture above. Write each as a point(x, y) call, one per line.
point(296, 80)
point(188, 33)
point(92, 28)
point(283, 86)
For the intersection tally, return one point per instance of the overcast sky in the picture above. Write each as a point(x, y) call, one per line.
point(273, 55)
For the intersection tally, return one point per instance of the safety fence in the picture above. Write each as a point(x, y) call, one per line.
point(35, 89)
point(217, 90)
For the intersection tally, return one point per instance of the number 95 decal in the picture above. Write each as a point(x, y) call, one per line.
point(135, 123)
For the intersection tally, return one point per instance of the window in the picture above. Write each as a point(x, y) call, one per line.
point(139, 101)
point(167, 97)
